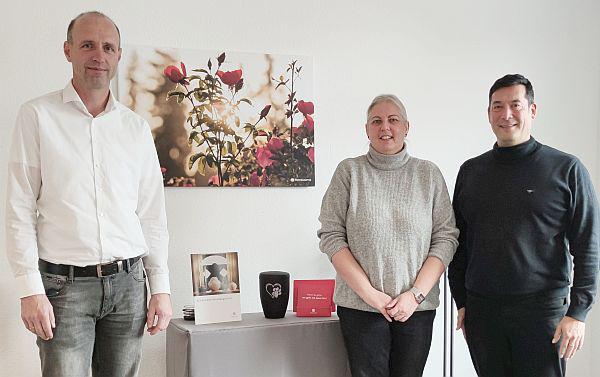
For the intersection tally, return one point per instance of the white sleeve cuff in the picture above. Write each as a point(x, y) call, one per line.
point(29, 285)
point(159, 283)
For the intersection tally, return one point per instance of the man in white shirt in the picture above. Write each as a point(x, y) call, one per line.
point(85, 206)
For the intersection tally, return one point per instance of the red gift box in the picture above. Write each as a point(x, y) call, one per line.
point(314, 298)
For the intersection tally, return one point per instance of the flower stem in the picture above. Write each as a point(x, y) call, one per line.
point(228, 165)
point(202, 132)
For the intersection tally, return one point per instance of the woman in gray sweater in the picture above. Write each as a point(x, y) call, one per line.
point(388, 228)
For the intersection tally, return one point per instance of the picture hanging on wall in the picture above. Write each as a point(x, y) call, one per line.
point(224, 119)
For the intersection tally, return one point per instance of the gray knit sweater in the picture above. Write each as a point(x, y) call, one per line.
point(392, 212)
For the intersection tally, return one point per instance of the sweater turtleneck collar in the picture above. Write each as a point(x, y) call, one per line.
point(516, 152)
point(388, 161)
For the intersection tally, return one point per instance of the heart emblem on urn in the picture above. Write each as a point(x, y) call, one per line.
point(274, 290)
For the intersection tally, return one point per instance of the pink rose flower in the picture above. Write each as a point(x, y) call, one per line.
point(275, 144)
point(263, 156)
point(231, 77)
point(214, 181)
point(254, 180)
point(175, 75)
point(309, 123)
point(306, 108)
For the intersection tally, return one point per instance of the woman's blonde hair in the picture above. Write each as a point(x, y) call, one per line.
point(388, 98)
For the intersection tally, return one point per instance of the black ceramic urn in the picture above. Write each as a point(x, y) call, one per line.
point(274, 293)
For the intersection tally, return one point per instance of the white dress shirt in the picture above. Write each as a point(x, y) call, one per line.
point(83, 190)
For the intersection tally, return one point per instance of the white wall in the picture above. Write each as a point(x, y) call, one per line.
point(440, 59)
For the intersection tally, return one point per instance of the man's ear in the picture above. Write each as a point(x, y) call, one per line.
point(533, 111)
point(67, 50)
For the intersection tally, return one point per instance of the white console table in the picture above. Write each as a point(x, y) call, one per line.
point(257, 347)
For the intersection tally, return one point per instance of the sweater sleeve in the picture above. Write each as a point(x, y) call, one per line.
point(583, 235)
point(444, 233)
point(334, 208)
point(458, 266)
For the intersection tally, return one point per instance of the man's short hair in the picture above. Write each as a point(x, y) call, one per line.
point(91, 13)
point(512, 80)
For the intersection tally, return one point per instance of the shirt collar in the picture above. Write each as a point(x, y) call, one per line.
point(70, 95)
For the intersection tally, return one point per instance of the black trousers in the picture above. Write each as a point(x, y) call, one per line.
point(378, 348)
point(513, 338)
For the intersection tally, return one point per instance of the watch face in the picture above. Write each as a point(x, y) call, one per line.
point(419, 296)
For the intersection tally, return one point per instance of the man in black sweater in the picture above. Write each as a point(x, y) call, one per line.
point(523, 209)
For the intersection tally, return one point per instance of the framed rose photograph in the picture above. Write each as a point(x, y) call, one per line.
point(225, 119)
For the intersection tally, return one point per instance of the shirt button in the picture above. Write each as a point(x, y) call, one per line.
point(101, 214)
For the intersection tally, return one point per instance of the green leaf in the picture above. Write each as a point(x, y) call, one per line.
point(199, 121)
point(175, 93)
point(210, 161)
point(171, 93)
point(201, 165)
point(245, 100)
point(193, 136)
point(194, 158)
point(200, 70)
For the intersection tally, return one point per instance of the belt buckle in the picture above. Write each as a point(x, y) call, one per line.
point(99, 268)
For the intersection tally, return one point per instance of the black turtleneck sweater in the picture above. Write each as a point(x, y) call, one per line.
point(521, 210)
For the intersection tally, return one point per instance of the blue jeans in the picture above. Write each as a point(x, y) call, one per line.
point(99, 324)
point(513, 337)
point(378, 348)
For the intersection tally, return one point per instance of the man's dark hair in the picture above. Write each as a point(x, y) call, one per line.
point(92, 13)
point(512, 80)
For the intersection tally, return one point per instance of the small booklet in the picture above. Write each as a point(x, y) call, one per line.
point(314, 298)
point(216, 283)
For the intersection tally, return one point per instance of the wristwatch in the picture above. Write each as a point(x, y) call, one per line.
point(419, 296)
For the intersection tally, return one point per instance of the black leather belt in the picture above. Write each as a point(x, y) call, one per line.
point(98, 270)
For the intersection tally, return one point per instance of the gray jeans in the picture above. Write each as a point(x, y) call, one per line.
point(99, 324)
